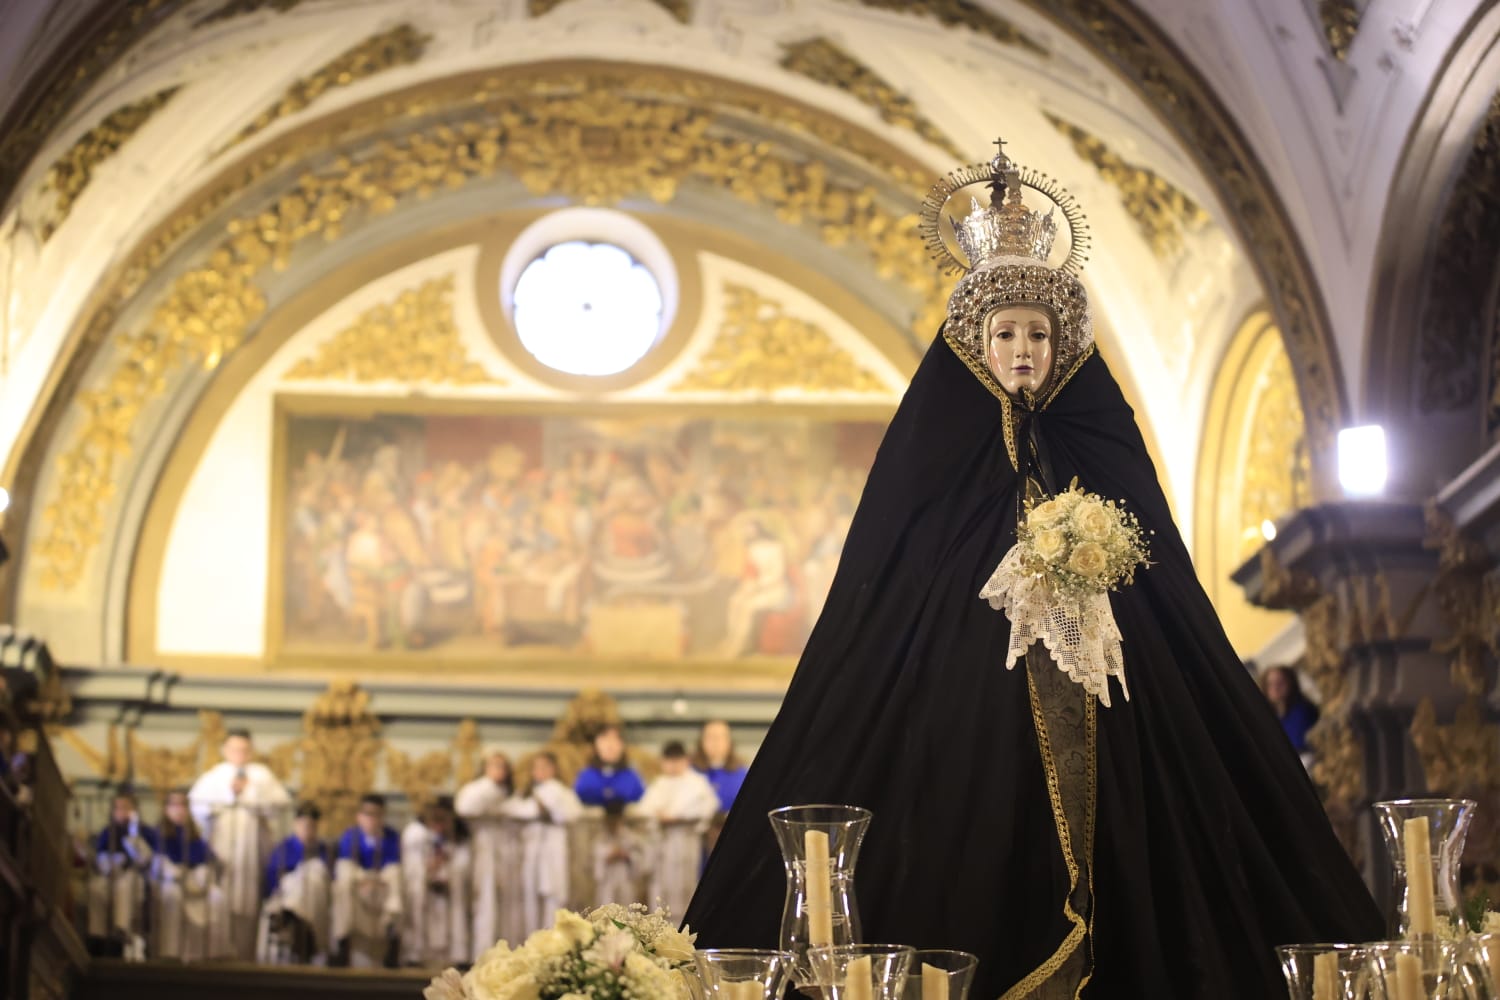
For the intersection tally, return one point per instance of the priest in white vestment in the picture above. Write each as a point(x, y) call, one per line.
point(495, 848)
point(123, 852)
point(241, 808)
point(367, 891)
point(545, 813)
point(299, 881)
point(682, 803)
point(438, 871)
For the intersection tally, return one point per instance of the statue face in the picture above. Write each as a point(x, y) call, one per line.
point(1018, 347)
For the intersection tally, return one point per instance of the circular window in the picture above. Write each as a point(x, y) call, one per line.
point(587, 308)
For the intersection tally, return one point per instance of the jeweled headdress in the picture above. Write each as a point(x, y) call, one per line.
point(1006, 249)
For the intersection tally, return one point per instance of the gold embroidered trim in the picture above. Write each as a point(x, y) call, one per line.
point(987, 379)
point(1082, 929)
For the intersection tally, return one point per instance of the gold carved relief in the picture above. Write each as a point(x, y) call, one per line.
point(1468, 602)
point(72, 172)
point(555, 134)
point(340, 744)
point(963, 14)
point(1340, 24)
point(1462, 760)
point(1339, 769)
point(1162, 212)
point(422, 778)
point(1273, 486)
point(400, 46)
point(822, 61)
point(414, 339)
point(759, 348)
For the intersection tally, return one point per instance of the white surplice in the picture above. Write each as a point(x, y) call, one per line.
point(544, 815)
point(190, 913)
point(438, 874)
point(241, 830)
point(495, 847)
point(117, 885)
point(306, 893)
point(622, 860)
point(681, 805)
point(367, 902)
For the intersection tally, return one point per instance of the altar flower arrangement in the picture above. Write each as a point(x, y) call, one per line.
point(1071, 550)
point(612, 952)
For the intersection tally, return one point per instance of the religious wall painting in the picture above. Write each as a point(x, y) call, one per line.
point(686, 537)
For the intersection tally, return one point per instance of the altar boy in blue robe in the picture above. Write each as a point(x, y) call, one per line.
point(299, 875)
point(367, 903)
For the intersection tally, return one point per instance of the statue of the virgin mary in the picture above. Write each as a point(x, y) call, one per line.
point(1119, 815)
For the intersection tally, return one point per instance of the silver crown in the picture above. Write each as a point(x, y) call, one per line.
point(1005, 231)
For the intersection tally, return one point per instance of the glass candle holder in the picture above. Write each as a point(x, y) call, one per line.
point(742, 973)
point(1448, 826)
point(938, 974)
point(1351, 969)
point(840, 830)
point(1477, 966)
point(1435, 960)
point(838, 973)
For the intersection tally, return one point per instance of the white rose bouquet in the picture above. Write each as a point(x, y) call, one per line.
point(1071, 550)
point(609, 953)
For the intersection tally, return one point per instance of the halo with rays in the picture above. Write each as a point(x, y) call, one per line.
point(932, 215)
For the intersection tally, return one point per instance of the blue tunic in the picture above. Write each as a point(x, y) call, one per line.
point(287, 855)
point(1297, 721)
point(115, 839)
point(370, 854)
point(727, 782)
point(187, 853)
point(597, 786)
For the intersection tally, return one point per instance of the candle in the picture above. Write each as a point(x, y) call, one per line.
point(1409, 976)
point(1422, 915)
point(819, 889)
point(1492, 961)
point(1325, 976)
point(934, 983)
point(748, 990)
point(859, 979)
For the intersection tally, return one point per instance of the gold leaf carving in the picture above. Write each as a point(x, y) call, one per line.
point(759, 348)
point(419, 779)
point(400, 46)
point(413, 339)
point(963, 14)
point(1468, 602)
point(466, 749)
point(1162, 212)
point(595, 136)
point(340, 745)
point(1271, 486)
point(1340, 24)
point(822, 61)
point(72, 172)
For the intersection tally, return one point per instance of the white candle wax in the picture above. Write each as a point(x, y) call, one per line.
point(934, 983)
point(1419, 902)
point(1325, 976)
point(819, 889)
point(859, 979)
point(1409, 976)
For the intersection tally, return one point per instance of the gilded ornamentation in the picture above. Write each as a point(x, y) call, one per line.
point(1468, 602)
point(1462, 760)
point(420, 779)
point(552, 132)
point(1338, 770)
point(1170, 84)
point(118, 27)
point(1455, 320)
point(159, 768)
point(1270, 486)
point(399, 46)
point(72, 172)
point(466, 752)
point(411, 340)
point(340, 746)
point(963, 14)
point(240, 8)
point(821, 61)
point(759, 348)
point(1340, 24)
point(682, 10)
point(1162, 212)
